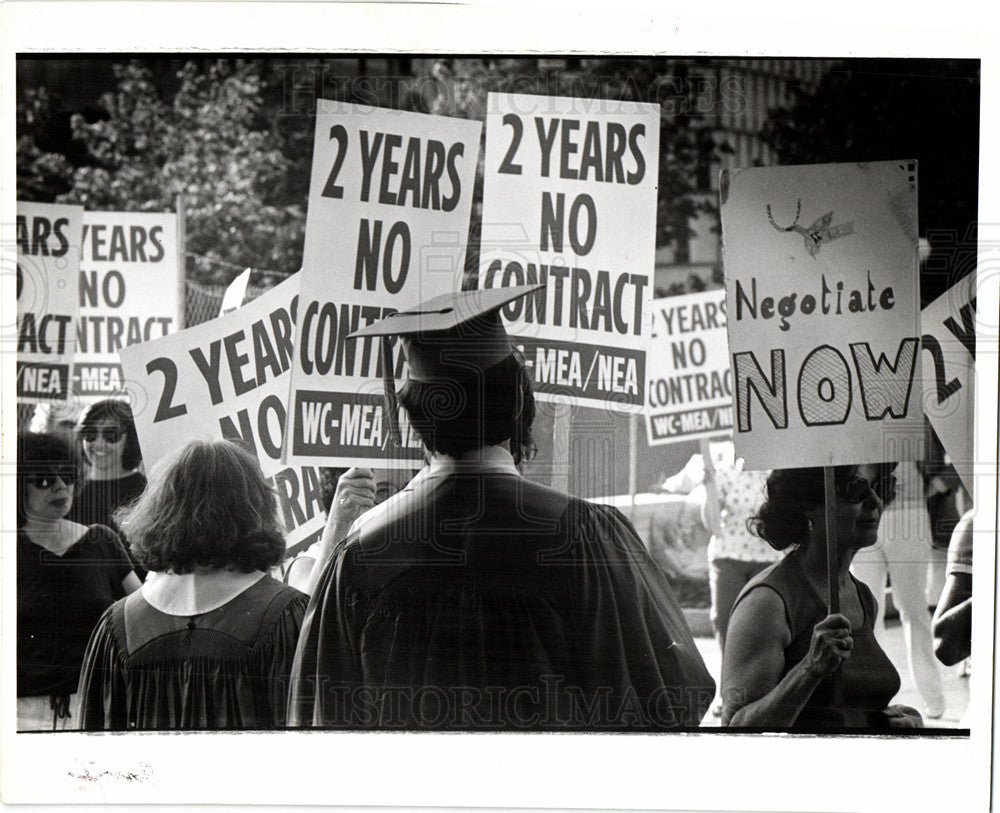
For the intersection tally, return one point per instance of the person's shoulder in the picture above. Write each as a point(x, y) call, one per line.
point(101, 535)
point(133, 480)
point(272, 589)
point(960, 546)
point(578, 509)
point(545, 498)
point(775, 583)
point(868, 600)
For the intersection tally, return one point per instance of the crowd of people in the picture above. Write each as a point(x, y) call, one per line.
point(471, 599)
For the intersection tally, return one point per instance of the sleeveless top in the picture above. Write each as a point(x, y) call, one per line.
point(869, 680)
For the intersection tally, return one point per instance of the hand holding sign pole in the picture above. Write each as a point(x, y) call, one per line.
point(832, 569)
point(823, 321)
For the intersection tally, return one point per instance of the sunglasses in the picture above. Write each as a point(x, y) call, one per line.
point(109, 434)
point(47, 481)
point(857, 489)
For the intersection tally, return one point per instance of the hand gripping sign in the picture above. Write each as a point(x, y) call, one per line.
point(823, 318)
point(690, 388)
point(949, 362)
point(129, 293)
point(228, 378)
point(389, 203)
point(48, 306)
point(569, 199)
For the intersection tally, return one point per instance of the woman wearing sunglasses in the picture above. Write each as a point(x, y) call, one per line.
point(111, 448)
point(783, 647)
point(67, 575)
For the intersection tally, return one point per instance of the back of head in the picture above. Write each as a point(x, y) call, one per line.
point(208, 505)
point(466, 387)
point(467, 410)
point(781, 520)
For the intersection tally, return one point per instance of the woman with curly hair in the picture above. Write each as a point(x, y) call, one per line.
point(207, 643)
point(783, 647)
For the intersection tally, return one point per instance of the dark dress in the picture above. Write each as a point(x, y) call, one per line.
point(869, 680)
point(59, 600)
point(96, 501)
point(488, 602)
point(225, 669)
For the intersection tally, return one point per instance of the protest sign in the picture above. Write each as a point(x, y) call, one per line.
point(823, 318)
point(227, 378)
point(690, 387)
point(129, 272)
point(389, 203)
point(569, 199)
point(949, 365)
point(48, 271)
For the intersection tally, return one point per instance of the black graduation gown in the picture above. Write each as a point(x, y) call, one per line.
point(487, 602)
point(225, 669)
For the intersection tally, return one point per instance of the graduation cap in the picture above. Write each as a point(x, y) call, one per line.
point(445, 337)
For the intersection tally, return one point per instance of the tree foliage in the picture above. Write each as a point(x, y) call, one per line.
point(872, 110)
point(43, 173)
point(210, 144)
point(233, 142)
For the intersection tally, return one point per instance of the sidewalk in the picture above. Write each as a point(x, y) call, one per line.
point(956, 687)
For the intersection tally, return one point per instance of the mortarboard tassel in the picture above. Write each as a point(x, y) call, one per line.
point(389, 388)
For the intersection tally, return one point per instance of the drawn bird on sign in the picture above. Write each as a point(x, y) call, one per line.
point(818, 233)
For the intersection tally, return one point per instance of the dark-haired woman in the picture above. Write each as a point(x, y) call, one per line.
point(111, 448)
point(67, 575)
point(207, 643)
point(782, 646)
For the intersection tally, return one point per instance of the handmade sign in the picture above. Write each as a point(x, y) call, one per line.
point(48, 307)
point(823, 309)
point(569, 199)
point(389, 203)
point(690, 389)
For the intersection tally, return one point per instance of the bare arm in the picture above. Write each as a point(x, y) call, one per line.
point(753, 691)
point(355, 494)
point(710, 511)
point(952, 624)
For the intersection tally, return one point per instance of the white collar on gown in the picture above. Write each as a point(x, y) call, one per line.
point(196, 593)
point(486, 460)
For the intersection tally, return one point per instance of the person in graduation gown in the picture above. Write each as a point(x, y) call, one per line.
point(67, 576)
point(110, 446)
point(783, 646)
point(475, 599)
point(208, 641)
